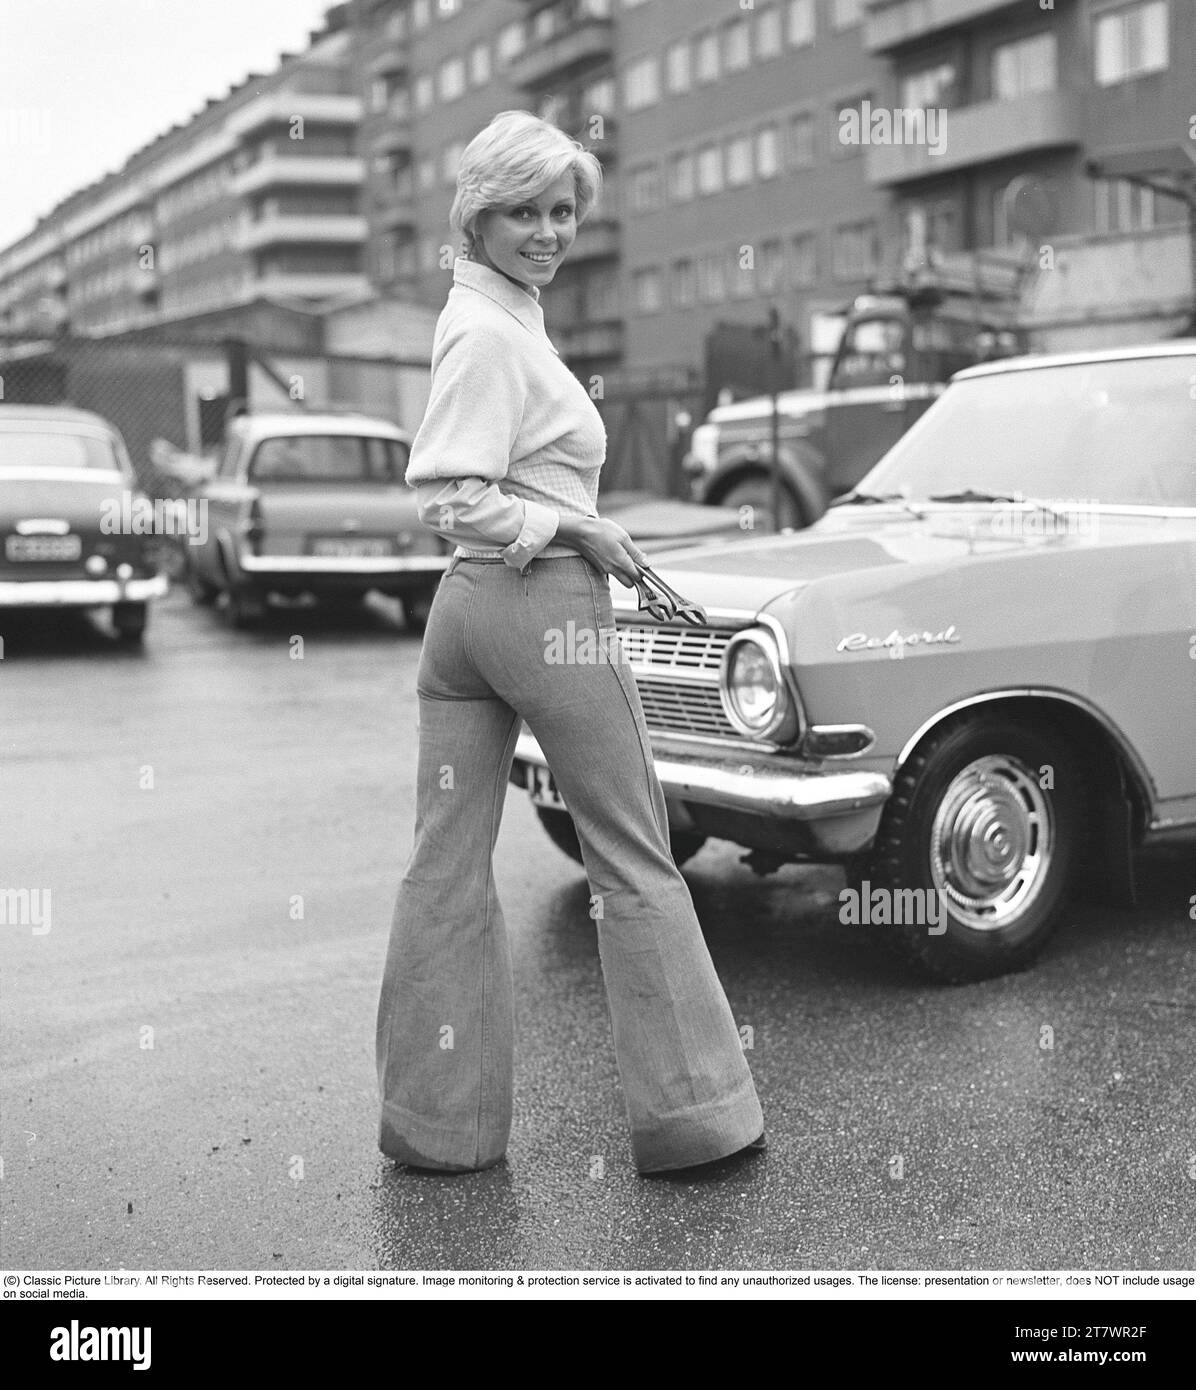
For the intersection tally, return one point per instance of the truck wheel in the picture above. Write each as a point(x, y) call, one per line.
point(129, 620)
point(243, 606)
point(755, 491)
point(563, 833)
point(983, 825)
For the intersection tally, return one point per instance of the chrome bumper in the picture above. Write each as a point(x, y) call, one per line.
point(838, 810)
point(347, 564)
point(79, 593)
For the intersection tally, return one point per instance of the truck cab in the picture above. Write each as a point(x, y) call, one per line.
point(895, 356)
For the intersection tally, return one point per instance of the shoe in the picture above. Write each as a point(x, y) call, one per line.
point(712, 1166)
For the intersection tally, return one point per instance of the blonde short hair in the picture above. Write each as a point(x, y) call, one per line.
point(513, 160)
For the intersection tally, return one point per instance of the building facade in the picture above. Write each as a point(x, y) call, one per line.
point(757, 153)
point(256, 197)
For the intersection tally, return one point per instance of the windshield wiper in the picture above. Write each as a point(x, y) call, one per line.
point(972, 495)
point(869, 499)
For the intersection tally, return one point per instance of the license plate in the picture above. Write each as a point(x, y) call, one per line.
point(43, 547)
point(542, 788)
point(356, 548)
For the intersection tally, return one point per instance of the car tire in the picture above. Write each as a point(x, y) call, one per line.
point(203, 592)
point(986, 816)
point(244, 607)
point(755, 491)
point(417, 608)
point(563, 833)
point(129, 620)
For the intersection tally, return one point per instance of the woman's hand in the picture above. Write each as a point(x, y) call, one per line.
point(605, 544)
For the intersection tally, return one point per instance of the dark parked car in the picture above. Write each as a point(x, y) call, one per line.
point(76, 531)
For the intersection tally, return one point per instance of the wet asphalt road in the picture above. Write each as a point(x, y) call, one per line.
point(910, 1126)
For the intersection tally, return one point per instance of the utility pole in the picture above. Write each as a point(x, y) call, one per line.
point(774, 377)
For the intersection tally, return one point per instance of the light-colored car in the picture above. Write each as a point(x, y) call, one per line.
point(77, 531)
point(972, 682)
point(313, 503)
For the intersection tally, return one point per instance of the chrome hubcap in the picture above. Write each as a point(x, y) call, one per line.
point(992, 842)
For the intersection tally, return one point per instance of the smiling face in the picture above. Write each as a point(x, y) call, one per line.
point(515, 240)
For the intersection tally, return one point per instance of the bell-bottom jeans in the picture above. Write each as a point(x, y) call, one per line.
point(499, 646)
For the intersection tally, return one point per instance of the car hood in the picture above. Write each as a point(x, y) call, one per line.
point(663, 523)
point(850, 556)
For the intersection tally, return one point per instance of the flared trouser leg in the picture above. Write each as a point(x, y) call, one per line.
point(687, 1087)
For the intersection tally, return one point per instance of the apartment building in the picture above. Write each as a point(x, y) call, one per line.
point(257, 196)
point(755, 152)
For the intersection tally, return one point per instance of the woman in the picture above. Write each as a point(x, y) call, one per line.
point(533, 556)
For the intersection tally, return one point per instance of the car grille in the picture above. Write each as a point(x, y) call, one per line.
point(676, 670)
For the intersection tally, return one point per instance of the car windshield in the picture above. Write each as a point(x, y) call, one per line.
point(1120, 432)
point(35, 449)
point(328, 458)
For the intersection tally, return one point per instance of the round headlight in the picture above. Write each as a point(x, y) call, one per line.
point(753, 689)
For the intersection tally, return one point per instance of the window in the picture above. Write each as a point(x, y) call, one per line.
point(545, 24)
point(801, 22)
point(927, 227)
point(739, 161)
point(854, 251)
point(1131, 41)
point(645, 188)
point(426, 170)
point(451, 160)
point(681, 178)
point(641, 84)
point(768, 32)
point(708, 65)
point(479, 64)
point(446, 8)
point(737, 45)
point(423, 91)
point(710, 169)
point(712, 278)
point(421, 13)
point(684, 289)
point(599, 97)
point(801, 140)
point(510, 41)
point(803, 260)
point(842, 148)
point(929, 87)
point(645, 286)
point(742, 271)
point(452, 79)
point(1023, 67)
point(379, 94)
point(768, 152)
point(772, 268)
point(845, 13)
point(678, 74)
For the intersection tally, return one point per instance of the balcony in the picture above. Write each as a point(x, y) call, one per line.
point(889, 23)
point(597, 239)
point(586, 41)
point(306, 170)
point(980, 134)
point(274, 230)
point(281, 108)
point(294, 284)
point(393, 138)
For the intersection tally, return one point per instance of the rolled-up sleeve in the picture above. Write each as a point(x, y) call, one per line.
point(464, 444)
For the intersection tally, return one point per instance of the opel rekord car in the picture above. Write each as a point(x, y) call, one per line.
point(77, 530)
point(972, 683)
point(313, 504)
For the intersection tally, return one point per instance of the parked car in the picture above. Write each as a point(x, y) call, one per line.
point(972, 682)
point(313, 503)
point(77, 532)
